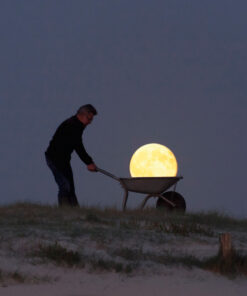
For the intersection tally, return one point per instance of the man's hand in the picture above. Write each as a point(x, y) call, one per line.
point(92, 167)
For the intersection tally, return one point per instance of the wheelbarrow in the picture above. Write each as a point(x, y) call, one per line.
point(152, 187)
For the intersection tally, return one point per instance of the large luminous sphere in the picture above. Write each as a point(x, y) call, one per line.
point(153, 160)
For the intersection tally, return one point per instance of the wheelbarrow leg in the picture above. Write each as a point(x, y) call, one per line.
point(145, 201)
point(126, 193)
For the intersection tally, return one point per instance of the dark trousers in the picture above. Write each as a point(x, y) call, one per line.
point(64, 178)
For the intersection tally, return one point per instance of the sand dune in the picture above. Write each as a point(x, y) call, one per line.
point(86, 252)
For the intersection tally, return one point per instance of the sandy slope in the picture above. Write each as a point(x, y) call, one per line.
point(175, 282)
point(98, 234)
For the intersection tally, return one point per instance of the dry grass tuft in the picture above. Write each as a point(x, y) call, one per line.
point(59, 255)
point(233, 265)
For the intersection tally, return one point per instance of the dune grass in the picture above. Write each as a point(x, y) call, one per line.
point(232, 266)
point(14, 276)
point(17, 277)
point(59, 255)
point(26, 213)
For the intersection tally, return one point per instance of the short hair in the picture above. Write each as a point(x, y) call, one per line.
point(87, 109)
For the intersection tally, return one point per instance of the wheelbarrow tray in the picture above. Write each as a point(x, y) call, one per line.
point(148, 185)
point(152, 186)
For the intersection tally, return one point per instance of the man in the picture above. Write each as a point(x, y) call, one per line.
point(66, 139)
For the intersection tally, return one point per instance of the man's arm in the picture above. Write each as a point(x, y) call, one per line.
point(82, 153)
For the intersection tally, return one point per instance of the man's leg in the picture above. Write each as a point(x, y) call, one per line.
point(64, 178)
point(72, 196)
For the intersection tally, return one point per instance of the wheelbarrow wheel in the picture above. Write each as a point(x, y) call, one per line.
point(176, 198)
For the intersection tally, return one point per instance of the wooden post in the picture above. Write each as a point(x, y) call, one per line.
point(226, 249)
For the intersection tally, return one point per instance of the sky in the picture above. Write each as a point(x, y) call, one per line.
point(163, 71)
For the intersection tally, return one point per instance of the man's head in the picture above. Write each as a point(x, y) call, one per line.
point(86, 113)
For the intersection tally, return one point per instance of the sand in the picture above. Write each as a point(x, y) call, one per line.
point(175, 282)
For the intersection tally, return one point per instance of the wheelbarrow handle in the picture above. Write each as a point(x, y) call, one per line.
point(107, 174)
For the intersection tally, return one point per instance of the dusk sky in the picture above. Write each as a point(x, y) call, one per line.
point(169, 72)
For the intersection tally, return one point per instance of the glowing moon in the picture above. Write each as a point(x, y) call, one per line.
point(153, 160)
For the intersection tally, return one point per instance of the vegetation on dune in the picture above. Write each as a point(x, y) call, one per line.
point(15, 276)
point(232, 266)
point(113, 240)
point(7, 277)
point(59, 255)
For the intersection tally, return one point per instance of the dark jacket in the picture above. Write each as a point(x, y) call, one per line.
point(67, 138)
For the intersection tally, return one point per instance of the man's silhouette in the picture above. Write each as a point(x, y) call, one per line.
point(67, 138)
